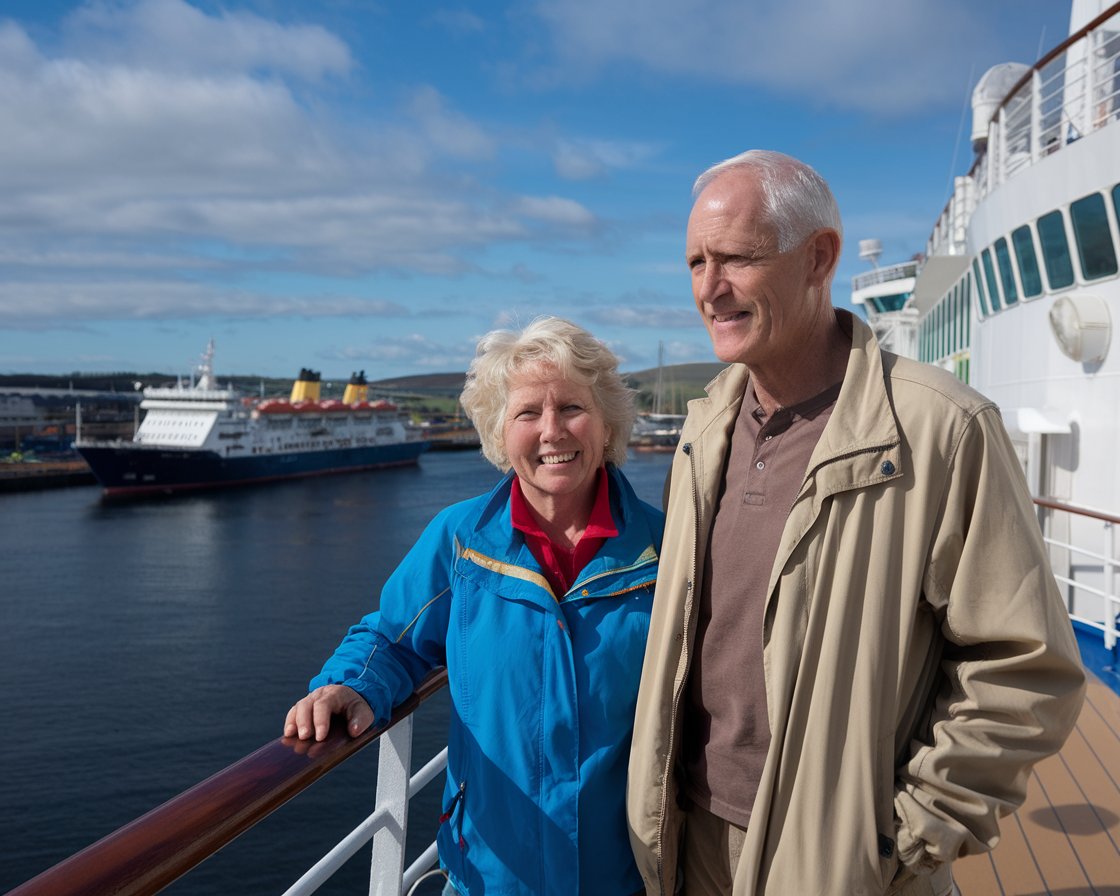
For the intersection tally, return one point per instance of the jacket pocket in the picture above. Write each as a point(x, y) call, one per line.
point(451, 840)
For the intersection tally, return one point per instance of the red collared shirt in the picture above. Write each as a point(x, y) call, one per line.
point(560, 565)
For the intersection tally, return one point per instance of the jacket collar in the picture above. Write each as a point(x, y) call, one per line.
point(495, 548)
point(860, 444)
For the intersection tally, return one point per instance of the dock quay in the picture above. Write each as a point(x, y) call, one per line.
point(21, 476)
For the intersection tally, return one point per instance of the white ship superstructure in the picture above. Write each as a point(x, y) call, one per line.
point(1018, 289)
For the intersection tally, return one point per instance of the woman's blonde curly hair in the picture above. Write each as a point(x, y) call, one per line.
point(546, 342)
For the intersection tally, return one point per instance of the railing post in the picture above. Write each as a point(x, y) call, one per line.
point(1091, 122)
point(1110, 589)
point(1036, 115)
point(393, 769)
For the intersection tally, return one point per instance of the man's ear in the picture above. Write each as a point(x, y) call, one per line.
point(823, 252)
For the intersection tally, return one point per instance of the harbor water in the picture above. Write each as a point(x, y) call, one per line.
point(147, 645)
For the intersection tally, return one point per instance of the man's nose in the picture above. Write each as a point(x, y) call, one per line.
point(710, 281)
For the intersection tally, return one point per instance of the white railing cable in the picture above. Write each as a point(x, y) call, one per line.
point(1109, 566)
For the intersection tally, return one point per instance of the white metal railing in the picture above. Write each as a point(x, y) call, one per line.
point(1105, 559)
point(1069, 93)
point(885, 275)
point(387, 825)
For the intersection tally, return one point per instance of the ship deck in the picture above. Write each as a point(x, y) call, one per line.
point(1065, 840)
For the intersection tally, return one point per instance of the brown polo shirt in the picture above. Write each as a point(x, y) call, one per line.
point(726, 731)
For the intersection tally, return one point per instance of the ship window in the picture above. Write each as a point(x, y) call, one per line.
point(884, 304)
point(1055, 250)
point(980, 297)
point(1006, 277)
point(1028, 262)
point(993, 289)
point(1094, 239)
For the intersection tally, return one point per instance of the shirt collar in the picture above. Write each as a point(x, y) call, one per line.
point(599, 525)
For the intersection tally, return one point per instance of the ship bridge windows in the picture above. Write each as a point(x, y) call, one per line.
point(945, 334)
point(980, 295)
point(990, 274)
point(883, 304)
point(1029, 274)
point(1094, 238)
point(1055, 250)
point(1006, 276)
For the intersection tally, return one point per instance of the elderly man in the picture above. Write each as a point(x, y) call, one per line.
point(857, 649)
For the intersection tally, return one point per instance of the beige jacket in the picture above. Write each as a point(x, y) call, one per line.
point(918, 658)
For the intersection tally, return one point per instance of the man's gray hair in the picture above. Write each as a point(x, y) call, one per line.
point(549, 342)
point(798, 200)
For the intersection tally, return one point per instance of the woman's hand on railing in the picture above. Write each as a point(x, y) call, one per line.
point(312, 715)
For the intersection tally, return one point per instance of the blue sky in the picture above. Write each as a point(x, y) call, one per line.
point(351, 185)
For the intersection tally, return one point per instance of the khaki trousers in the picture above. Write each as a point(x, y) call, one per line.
point(711, 853)
point(711, 850)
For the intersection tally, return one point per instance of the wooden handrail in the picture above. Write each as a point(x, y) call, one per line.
point(149, 853)
point(1053, 504)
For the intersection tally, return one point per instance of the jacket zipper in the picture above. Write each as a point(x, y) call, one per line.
point(647, 561)
point(687, 448)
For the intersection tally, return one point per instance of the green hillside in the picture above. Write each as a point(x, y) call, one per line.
point(429, 393)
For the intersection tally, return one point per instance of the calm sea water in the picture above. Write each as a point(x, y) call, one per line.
point(147, 645)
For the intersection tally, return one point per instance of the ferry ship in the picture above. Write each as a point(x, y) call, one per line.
point(200, 435)
point(1014, 293)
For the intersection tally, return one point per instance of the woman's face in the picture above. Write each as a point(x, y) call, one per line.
point(554, 434)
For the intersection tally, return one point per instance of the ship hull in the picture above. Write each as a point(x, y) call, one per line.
point(126, 470)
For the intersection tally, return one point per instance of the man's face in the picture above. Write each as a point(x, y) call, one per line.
point(755, 301)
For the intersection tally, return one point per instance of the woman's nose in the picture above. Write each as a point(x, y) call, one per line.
point(552, 426)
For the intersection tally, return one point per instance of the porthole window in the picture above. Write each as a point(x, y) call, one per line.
point(1055, 250)
point(1029, 274)
point(1006, 277)
point(1094, 239)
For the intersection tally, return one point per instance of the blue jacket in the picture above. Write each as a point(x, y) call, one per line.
point(542, 688)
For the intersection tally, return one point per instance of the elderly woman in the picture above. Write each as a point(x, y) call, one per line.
point(536, 597)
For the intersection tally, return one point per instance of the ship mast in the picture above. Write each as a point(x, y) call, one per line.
point(206, 368)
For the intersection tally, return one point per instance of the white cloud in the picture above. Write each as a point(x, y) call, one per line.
point(556, 210)
point(447, 130)
point(415, 349)
point(652, 317)
point(134, 149)
point(586, 159)
point(173, 35)
point(28, 305)
point(886, 56)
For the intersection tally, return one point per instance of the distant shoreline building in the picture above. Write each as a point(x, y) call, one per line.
point(35, 413)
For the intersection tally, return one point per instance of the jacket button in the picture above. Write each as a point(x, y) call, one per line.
point(887, 468)
point(687, 447)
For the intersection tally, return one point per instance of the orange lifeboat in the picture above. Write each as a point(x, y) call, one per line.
point(275, 406)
